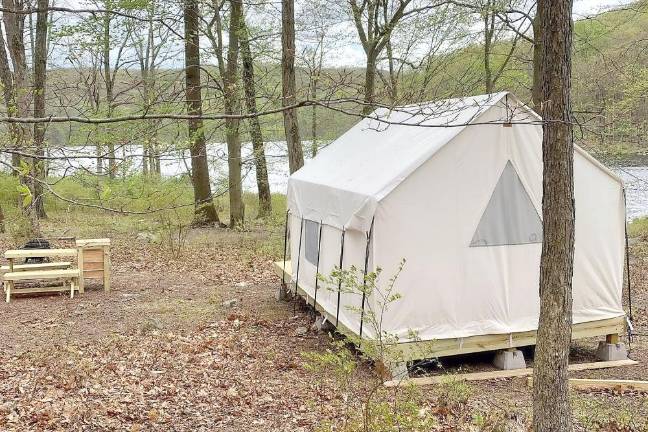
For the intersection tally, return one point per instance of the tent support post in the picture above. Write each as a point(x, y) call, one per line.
point(319, 246)
point(337, 312)
point(627, 257)
point(282, 294)
point(301, 232)
point(364, 279)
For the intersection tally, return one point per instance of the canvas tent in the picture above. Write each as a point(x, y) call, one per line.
point(454, 188)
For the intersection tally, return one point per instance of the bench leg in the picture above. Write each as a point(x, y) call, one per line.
point(8, 285)
point(71, 281)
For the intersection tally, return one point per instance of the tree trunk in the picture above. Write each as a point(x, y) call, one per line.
point(145, 158)
point(536, 91)
point(6, 78)
point(40, 79)
point(314, 143)
point(551, 407)
point(393, 78)
point(231, 96)
point(489, 23)
point(112, 169)
point(205, 212)
point(370, 83)
point(263, 185)
point(289, 86)
point(99, 153)
point(14, 29)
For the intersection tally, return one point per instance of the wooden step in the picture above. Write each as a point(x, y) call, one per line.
point(38, 290)
point(41, 274)
point(39, 266)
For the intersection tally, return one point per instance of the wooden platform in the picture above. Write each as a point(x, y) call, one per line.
point(499, 374)
point(453, 346)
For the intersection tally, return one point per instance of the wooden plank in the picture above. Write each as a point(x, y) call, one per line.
point(38, 266)
point(85, 243)
point(612, 338)
point(89, 266)
point(94, 274)
point(107, 267)
point(31, 253)
point(39, 290)
point(93, 255)
point(603, 384)
point(42, 274)
point(481, 376)
point(80, 265)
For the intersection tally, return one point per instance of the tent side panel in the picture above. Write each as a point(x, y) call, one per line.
point(600, 243)
point(305, 268)
point(452, 290)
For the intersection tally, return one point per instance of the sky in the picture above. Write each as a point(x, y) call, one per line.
point(352, 55)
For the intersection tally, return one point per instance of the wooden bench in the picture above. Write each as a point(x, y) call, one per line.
point(60, 265)
point(70, 277)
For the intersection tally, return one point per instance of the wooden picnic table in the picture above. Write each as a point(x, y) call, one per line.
point(71, 275)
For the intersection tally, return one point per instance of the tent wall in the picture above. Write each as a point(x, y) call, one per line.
point(453, 290)
point(329, 258)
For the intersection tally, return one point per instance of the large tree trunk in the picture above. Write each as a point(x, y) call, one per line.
point(112, 168)
point(551, 407)
point(370, 82)
point(289, 86)
point(263, 185)
point(14, 27)
point(205, 212)
point(393, 78)
point(40, 79)
point(536, 91)
point(231, 96)
point(6, 78)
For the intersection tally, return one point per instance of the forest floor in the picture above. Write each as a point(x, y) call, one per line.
point(161, 352)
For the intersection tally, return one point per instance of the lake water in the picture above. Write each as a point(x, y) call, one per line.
point(174, 163)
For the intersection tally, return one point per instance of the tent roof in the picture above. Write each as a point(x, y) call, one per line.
point(372, 158)
point(380, 151)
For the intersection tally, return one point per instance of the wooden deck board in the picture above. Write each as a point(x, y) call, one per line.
point(499, 374)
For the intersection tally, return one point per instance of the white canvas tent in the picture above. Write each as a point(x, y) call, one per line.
point(454, 188)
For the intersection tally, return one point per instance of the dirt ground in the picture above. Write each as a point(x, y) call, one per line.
point(161, 352)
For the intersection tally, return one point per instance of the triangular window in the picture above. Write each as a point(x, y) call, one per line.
point(510, 217)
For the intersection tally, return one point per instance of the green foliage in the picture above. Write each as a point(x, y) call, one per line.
point(377, 343)
point(9, 190)
point(372, 409)
point(173, 229)
point(453, 392)
point(337, 361)
point(638, 228)
point(638, 233)
point(599, 415)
